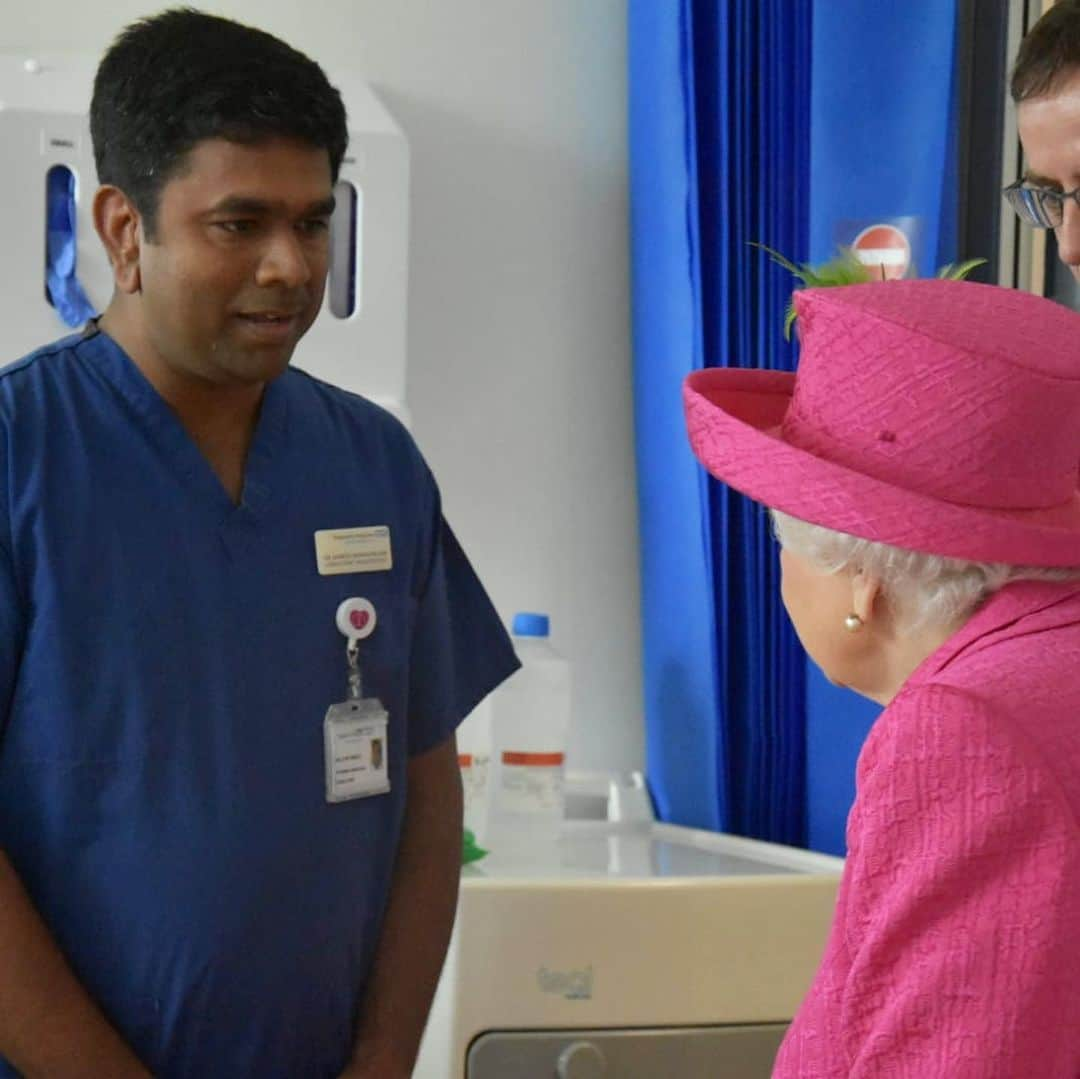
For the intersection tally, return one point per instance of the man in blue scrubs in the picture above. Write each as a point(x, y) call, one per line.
point(205, 868)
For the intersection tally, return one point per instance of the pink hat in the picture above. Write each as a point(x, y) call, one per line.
point(938, 416)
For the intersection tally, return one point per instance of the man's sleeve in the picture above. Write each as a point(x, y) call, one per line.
point(11, 627)
point(460, 649)
point(963, 919)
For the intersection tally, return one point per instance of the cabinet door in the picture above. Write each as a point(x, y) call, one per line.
point(729, 1052)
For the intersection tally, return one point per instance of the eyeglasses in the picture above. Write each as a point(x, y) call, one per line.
point(1040, 207)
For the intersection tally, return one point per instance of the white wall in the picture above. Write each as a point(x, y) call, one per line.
point(519, 348)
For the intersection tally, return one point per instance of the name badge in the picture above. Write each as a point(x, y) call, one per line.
point(355, 740)
point(353, 550)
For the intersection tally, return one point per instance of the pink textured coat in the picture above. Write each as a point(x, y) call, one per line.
point(955, 951)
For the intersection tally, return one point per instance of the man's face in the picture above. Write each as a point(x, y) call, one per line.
point(236, 272)
point(1050, 132)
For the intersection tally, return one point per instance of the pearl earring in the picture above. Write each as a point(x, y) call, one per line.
point(853, 623)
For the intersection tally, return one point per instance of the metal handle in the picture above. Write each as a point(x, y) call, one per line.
point(581, 1060)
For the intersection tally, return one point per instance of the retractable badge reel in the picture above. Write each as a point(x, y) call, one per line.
point(355, 729)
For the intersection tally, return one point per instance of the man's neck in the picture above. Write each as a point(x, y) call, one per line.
point(219, 418)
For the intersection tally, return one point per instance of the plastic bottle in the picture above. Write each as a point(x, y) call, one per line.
point(474, 759)
point(530, 721)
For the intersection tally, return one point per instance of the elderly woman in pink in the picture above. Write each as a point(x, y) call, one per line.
point(921, 469)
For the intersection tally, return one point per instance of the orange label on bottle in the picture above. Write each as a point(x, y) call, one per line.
point(464, 760)
point(534, 760)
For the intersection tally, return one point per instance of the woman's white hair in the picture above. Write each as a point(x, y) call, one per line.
point(923, 589)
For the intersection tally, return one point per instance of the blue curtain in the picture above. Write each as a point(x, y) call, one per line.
point(719, 147)
point(882, 152)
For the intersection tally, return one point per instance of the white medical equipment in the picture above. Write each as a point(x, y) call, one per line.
point(358, 341)
point(629, 949)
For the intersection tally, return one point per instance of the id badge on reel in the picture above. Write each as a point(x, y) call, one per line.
point(355, 730)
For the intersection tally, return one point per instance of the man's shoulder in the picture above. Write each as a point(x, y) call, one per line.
point(301, 382)
point(338, 413)
point(36, 362)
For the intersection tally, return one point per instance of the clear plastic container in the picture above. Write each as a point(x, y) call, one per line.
point(474, 759)
point(530, 723)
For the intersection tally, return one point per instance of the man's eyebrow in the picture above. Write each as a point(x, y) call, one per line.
point(245, 206)
point(322, 208)
point(240, 204)
point(1036, 180)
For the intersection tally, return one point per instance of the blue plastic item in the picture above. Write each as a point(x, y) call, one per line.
point(64, 290)
point(528, 624)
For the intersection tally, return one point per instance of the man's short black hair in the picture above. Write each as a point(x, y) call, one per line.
point(1049, 52)
point(172, 80)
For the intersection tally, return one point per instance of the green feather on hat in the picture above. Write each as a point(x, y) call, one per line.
point(846, 269)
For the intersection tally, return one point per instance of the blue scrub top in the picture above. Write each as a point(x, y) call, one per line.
point(166, 661)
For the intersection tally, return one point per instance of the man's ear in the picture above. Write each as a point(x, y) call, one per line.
point(119, 225)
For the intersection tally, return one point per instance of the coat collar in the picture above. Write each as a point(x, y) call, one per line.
point(1039, 605)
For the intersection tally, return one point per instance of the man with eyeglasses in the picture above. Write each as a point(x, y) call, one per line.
point(1046, 89)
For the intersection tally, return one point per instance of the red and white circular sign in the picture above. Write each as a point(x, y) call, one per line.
point(885, 249)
